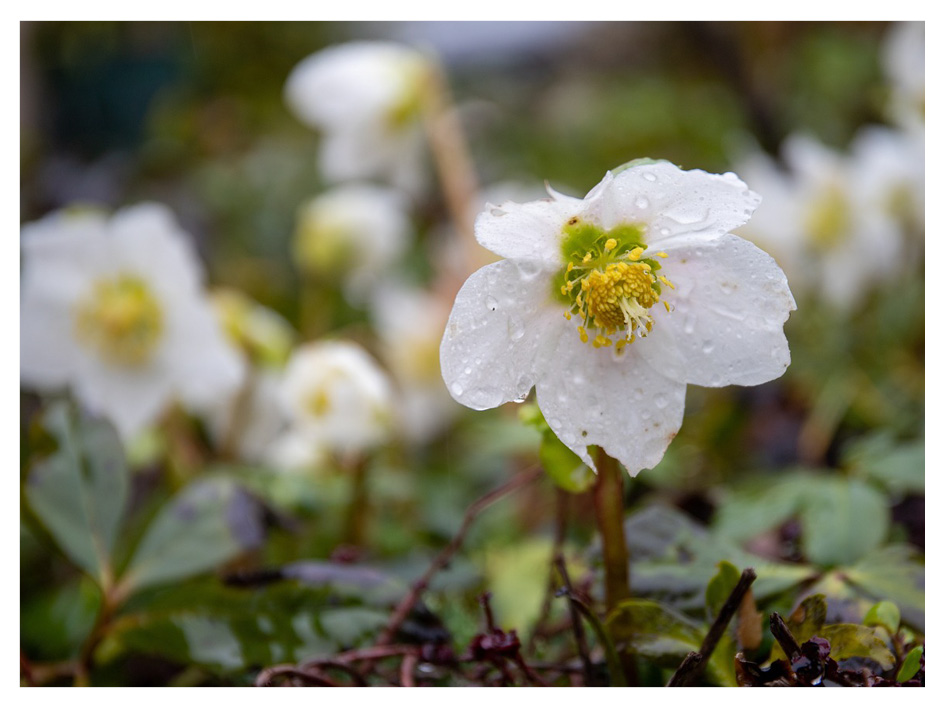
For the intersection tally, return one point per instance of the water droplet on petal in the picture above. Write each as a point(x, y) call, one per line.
point(689, 326)
point(708, 346)
point(491, 303)
point(642, 203)
point(516, 328)
point(528, 269)
point(468, 370)
point(660, 401)
point(457, 389)
point(649, 177)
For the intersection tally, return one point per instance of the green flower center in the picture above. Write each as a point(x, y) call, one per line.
point(829, 220)
point(608, 282)
point(121, 320)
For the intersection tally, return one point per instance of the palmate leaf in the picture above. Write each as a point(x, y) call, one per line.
point(207, 523)
point(674, 558)
point(228, 630)
point(79, 491)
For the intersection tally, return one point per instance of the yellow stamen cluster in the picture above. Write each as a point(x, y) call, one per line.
point(121, 320)
point(611, 290)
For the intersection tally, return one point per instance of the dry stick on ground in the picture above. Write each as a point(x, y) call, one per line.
point(694, 665)
point(407, 668)
point(579, 637)
point(784, 637)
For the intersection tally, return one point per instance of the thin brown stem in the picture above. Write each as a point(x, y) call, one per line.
point(580, 638)
point(453, 163)
point(784, 637)
point(694, 664)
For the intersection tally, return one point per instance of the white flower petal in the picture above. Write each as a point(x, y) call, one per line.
point(130, 398)
point(674, 202)
point(526, 232)
point(731, 301)
point(594, 397)
point(500, 335)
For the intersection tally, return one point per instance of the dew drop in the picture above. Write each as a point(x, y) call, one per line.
point(664, 231)
point(516, 328)
point(649, 177)
point(457, 389)
point(726, 288)
point(708, 346)
point(528, 269)
point(642, 203)
point(660, 401)
point(689, 326)
point(491, 303)
point(554, 423)
point(468, 370)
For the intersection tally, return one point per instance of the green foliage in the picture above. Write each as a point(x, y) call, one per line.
point(846, 639)
point(910, 665)
point(79, 492)
point(227, 629)
point(206, 524)
point(884, 614)
point(665, 637)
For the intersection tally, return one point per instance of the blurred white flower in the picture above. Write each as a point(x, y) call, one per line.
point(352, 234)
point(833, 220)
point(365, 98)
point(246, 423)
point(410, 325)
point(575, 308)
point(337, 400)
point(115, 309)
point(904, 64)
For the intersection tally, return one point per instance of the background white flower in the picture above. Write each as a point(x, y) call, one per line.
point(833, 219)
point(115, 310)
point(336, 399)
point(574, 309)
point(352, 234)
point(365, 99)
point(410, 325)
point(904, 64)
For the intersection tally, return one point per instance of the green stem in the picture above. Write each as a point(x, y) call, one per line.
point(608, 506)
point(356, 523)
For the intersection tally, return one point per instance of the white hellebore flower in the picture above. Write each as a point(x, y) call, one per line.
point(115, 309)
point(410, 324)
point(352, 233)
point(834, 219)
point(904, 64)
point(336, 400)
point(611, 304)
point(365, 98)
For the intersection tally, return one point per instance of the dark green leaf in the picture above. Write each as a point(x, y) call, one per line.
point(893, 574)
point(226, 629)
point(720, 587)
point(843, 520)
point(899, 468)
point(79, 491)
point(207, 523)
point(664, 637)
point(674, 558)
point(910, 665)
point(55, 624)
